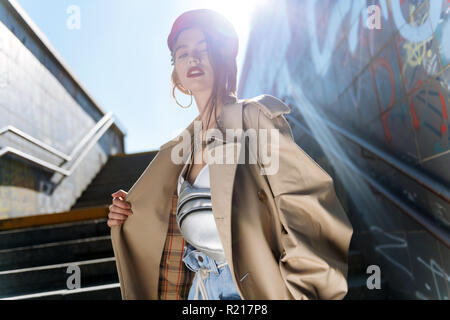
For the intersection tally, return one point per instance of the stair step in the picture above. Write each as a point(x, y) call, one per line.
point(53, 233)
point(93, 203)
point(117, 173)
point(34, 258)
point(101, 195)
point(107, 183)
point(113, 178)
point(109, 291)
point(54, 277)
point(57, 252)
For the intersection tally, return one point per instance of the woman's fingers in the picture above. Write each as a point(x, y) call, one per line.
point(119, 193)
point(116, 209)
point(121, 203)
point(118, 199)
point(114, 222)
point(119, 210)
point(117, 216)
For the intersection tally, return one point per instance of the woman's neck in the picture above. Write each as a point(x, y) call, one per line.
point(204, 112)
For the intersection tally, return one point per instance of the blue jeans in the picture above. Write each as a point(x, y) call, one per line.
point(212, 280)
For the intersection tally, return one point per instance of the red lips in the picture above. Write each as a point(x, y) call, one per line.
point(194, 71)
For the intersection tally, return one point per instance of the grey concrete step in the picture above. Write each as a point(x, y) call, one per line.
point(34, 261)
point(56, 252)
point(118, 173)
point(357, 291)
point(53, 233)
point(54, 277)
point(43, 282)
point(110, 291)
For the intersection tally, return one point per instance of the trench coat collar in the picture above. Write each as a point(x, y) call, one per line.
point(231, 115)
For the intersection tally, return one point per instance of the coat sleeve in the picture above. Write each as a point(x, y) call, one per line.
point(316, 232)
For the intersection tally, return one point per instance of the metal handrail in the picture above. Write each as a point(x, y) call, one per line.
point(52, 150)
point(428, 224)
point(89, 140)
point(425, 181)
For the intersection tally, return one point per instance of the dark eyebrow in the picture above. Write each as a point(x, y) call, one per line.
point(183, 45)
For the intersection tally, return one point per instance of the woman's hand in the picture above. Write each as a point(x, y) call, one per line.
point(119, 210)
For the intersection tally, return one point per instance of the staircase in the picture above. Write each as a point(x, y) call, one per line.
point(35, 252)
point(35, 255)
point(34, 261)
point(119, 172)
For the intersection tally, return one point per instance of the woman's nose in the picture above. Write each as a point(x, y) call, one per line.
point(197, 60)
point(194, 57)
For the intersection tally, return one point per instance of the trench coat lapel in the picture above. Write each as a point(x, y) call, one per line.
point(222, 177)
point(151, 194)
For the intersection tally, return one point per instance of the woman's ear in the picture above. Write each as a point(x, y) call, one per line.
point(176, 80)
point(175, 76)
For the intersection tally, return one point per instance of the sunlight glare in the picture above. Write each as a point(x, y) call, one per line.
point(239, 12)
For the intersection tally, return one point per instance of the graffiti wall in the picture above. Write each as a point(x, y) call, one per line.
point(368, 83)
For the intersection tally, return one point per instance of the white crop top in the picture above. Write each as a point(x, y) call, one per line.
point(200, 229)
point(202, 180)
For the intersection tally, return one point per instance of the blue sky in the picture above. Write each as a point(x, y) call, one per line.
point(120, 56)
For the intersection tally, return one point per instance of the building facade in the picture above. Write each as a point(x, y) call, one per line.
point(54, 137)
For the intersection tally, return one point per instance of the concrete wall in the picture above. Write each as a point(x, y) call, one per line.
point(41, 97)
point(389, 88)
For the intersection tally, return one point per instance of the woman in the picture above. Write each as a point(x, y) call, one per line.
point(278, 235)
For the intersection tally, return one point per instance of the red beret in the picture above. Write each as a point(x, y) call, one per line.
point(211, 22)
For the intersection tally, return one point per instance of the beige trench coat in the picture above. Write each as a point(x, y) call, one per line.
point(285, 235)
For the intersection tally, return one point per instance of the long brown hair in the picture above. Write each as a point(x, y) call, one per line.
point(225, 79)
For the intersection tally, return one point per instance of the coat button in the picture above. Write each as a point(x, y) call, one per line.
point(262, 195)
point(200, 258)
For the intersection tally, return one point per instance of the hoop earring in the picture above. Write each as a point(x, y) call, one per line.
point(173, 95)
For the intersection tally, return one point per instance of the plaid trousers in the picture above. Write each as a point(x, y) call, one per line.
point(175, 279)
